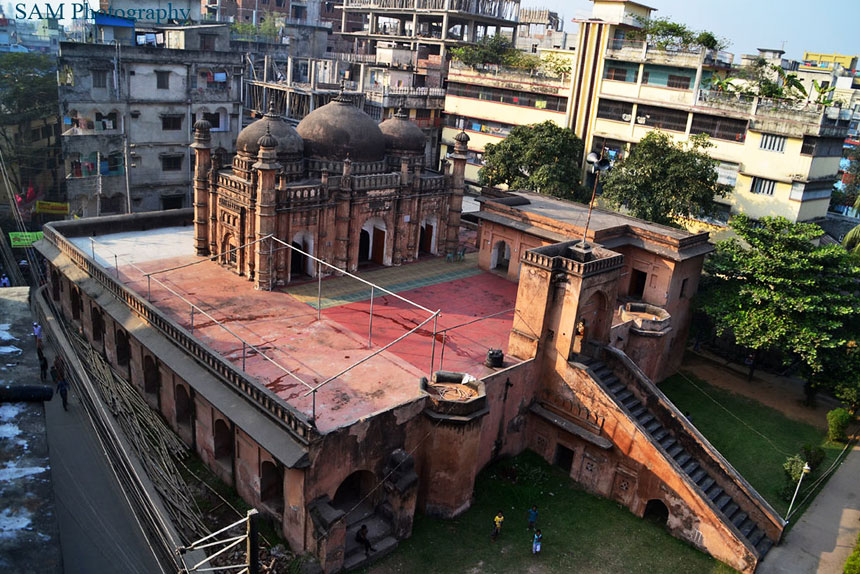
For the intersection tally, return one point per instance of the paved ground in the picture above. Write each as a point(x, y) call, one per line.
point(825, 535)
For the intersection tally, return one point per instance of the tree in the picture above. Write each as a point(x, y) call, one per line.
point(775, 290)
point(666, 34)
point(662, 180)
point(495, 50)
point(28, 92)
point(540, 157)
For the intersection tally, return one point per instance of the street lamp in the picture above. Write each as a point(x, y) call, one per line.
point(598, 164)
point(806, 470)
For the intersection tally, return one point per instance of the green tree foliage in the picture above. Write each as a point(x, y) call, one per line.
point(666, 34)
point(768, 81)
point(662, 180)
point(28, 91)
point(539, 157)
point(837, 423)
point(495, 50)
point(775, 290)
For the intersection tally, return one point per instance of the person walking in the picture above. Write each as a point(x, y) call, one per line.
point(361, 538)
point(497, 525)
point(536, 542)
point(43, 366)
point(4, 281)
point(63, 389)
point(37, 334)
point(532, 515)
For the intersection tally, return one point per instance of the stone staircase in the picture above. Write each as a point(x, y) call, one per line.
point(669, 442)
point(379, 533)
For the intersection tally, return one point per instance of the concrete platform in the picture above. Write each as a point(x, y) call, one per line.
point(285, 327)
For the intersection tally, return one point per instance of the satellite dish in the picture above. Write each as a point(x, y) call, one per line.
point(592, 158)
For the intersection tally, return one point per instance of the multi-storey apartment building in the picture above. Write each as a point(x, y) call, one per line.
point(540, 29)
point(781, 156)
point(133, 106)
point(488, 102)
point(429, 27)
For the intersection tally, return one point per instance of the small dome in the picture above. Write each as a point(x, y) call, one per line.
point(462, 137)
point(268, 141)
point(288, 141)
point(339, 130)
point(402, 135)
point(202, 125)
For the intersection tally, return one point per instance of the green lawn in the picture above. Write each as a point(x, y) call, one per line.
point(581, 532)
point(757, 458)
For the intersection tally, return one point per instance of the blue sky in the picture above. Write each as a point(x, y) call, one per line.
point(821, 26)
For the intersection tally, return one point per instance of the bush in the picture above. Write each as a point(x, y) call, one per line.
point(814, 455)
point(837, 422)
point(793, 468)
point(852, 566)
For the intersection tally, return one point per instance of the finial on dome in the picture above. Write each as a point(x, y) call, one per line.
point(272, 113)
point(268, 141)
point(341, 95)
point(462, 137)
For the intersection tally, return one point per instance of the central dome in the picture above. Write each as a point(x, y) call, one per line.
point(289, 142)
point(339, 130)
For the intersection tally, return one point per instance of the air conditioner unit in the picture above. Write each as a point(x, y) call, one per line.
point(626, 117)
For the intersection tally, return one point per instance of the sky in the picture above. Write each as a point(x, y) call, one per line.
point(796, 26)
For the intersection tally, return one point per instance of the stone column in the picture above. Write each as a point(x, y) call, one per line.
point(202, 147)
point(458, 187)
point(267, 168)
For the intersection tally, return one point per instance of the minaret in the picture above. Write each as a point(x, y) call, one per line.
point(267, 167)
point(202, 147)
point(458, 187)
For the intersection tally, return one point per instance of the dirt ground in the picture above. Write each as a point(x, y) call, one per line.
point(784, 394)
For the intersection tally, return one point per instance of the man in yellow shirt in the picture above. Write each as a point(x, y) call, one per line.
point(497, 525)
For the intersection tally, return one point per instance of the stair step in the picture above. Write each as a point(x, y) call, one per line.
point(746, 527)
point(377, 529)
point(659, 435)
point(639, 411)
point(683, 459)
point(652, 426)
point(612, 380)
point(631, 402)
point(715, 491)
point(617, 388)
point(646, 419)
point(730, 510)
point(706, 484)
point(359, 513)
point(691, 467)
point(668, 442)
point(739, 518)
point(675, 450)
point(602, 372)
point(755, 536)
point(358, 559)
point(624, 395)
point(764, 546)
point(722, 501)
point(698, 475)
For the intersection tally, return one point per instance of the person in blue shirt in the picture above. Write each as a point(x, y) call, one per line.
point(532, 516)
point(536, 542)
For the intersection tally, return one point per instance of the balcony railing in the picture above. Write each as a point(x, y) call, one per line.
point(501, 9)
point(641, 51)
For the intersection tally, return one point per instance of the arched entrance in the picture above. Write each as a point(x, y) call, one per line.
point(223, 442)
point(76, 304)
point(354, 489)
point(182, 402)
point(301, 264)
point(123, 349)
point(229, 255)
point(656, 512)
point(55, 285)
point(98, 324)
point(272, 487)
point(501, 256)
point(593, 321)
point(427, 237)
point(151, 376)
point(371, 241)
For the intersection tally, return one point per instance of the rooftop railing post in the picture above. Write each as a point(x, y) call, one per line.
point(370, 327)
point(192, 319)
point(148, 288)
point(243, 355)
point(93, 247)
point(442, 354)
point(319, 292)
point(433, 347)
point(116, 265)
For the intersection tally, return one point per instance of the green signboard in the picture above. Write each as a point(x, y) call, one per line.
point(24, 238)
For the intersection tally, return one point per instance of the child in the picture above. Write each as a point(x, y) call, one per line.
point(536, 542)
point(361, 538)
point(497, 525)
point(533, 514)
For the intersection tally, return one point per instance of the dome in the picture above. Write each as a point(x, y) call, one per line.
point(339, 130)
point(289, 142)
point(202, 124)
point(401, 134)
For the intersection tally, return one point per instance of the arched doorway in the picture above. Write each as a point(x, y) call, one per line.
point(76, 304)
point(593, 321)
point(223, 442)
point(272, 487)
point(501, 256)
point(229, 255)
point(98, 324)
point(656, 512)
point(55, 285)
point(354, 489)
point(123, 349)
point(182, 403)
point(371, 241)
point(427, 237)
point(151, 376)
point(301, 264)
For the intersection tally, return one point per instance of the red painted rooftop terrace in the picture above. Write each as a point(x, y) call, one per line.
point(292, 339)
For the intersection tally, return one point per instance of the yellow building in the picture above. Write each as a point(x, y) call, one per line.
point(781, 157)
point(487, 103)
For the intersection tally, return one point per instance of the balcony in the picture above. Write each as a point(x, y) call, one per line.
point(498, 10)
point(509, 78)
point(689, 57)
point(411, 98)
